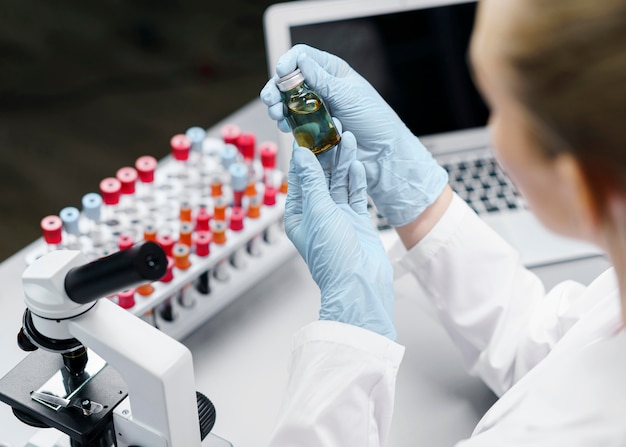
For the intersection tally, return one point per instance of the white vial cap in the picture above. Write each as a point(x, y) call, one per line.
point(290, 80)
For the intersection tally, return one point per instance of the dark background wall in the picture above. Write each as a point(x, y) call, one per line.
point(88, 86)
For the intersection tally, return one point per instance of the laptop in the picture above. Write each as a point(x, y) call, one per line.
point(415, 53)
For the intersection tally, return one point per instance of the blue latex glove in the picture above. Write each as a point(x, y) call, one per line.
point(402, 177)
point(326, 218)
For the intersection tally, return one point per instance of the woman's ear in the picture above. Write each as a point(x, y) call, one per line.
point(581, 196)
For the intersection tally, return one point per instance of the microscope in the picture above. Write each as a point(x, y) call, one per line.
point(102, 376)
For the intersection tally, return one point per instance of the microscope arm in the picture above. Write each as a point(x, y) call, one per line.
point(161, 408)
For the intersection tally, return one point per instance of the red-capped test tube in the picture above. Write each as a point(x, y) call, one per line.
point(110, 190)
point(202, 241)
point(166, 309)
point(166, 241)
point(203, 216)
point(127, 177)
point(230, 133)
point(124, 241)
point(268, 151)
point(238, 258)
point(246, 144)
point(126, 299)
point(146, 167)
point(181, 146)
point(52, 231)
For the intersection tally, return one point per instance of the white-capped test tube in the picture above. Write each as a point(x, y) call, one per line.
point(211, 150)
point(70, 216)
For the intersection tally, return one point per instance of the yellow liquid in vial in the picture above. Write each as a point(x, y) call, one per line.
point(311, 124)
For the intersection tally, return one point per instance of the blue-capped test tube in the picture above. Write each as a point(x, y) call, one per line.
point(70, 216)
point(196, 135)
point(239, 178)
point(92, 209)
point(228, 155)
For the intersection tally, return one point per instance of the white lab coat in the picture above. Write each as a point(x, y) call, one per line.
point(557, 359)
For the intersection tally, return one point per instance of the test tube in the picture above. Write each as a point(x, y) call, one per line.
point(92, 206)
point(70, 215)
point(186, 231)
point(185, 212)
point(228, 155)
point(126, 298)
point(219, 209)
point(196, 136)
point(166, 309)
point(181, 146)
point(268, 151)
point(146, 167)
point(230, 133)
point(52, 231)
point(110, 190)
point(202, 241)
point(202, 219)
point(216, 187)
point(181, 262)
point(166, 241)
point(211, 149)
point(127, 177)
point(150, 232)
point(218, 232)
point(124, 241)
point(269, 195)
point(246, 144)
point(238, 181)
point(238, 259)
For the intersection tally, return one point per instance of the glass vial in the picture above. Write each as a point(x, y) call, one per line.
point(308, 118)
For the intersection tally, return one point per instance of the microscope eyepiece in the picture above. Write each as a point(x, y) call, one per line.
point(122, 270)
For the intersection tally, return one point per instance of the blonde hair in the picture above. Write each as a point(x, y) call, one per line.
point(568, 59)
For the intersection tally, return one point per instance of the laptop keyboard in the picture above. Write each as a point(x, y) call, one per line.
point(483, 185)
point(477, 179)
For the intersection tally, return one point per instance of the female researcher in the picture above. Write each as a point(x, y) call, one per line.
point(554, 75)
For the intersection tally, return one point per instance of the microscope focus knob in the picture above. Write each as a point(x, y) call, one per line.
point(206, 414)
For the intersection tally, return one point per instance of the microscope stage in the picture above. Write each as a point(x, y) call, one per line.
point(106, 388)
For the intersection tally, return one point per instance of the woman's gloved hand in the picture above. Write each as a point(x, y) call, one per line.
point(403, 178)
point(326, 218)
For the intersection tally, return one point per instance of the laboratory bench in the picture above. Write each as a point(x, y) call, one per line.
point(241, 353)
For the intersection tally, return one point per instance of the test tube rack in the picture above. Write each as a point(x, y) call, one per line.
point(220, 239)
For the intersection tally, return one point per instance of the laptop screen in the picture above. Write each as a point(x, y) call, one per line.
point(417, 60)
